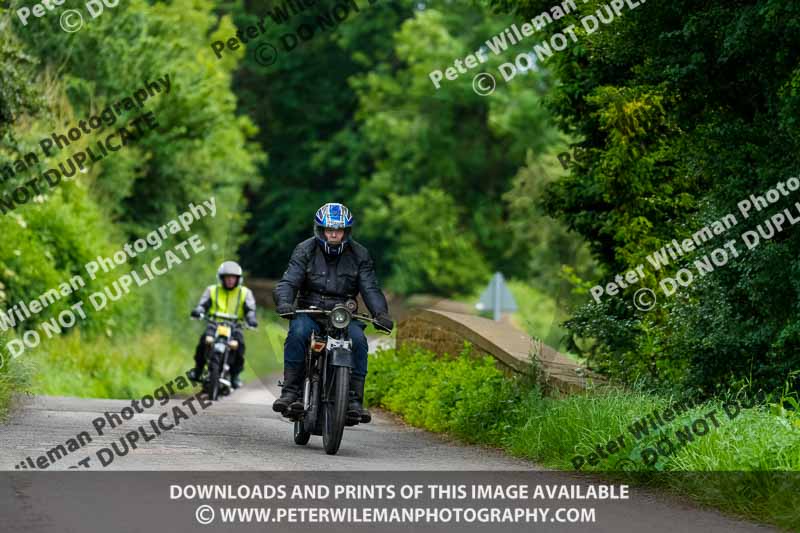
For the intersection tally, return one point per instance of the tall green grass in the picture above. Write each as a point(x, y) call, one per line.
point(14, 377)
point(470, 399)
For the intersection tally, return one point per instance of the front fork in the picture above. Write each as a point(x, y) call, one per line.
point(224, 368)
point(311, 387)
point(338, 353)
point(211, 352)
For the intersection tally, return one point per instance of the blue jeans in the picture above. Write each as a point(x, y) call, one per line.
point(297, 340)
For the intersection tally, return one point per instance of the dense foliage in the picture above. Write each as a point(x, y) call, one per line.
point(200, 148)
point(683, 109)
point(436, 178)
point(50, 80)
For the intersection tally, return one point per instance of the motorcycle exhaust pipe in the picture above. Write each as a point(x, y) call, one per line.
point(307, 393)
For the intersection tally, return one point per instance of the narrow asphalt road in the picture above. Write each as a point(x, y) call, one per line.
point(242, 433)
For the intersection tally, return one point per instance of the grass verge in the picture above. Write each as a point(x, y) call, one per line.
point(748, 463)
point(130, 367)
point(14, 377)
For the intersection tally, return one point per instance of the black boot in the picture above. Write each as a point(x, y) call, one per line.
point(290, 393)
point(356, 408)
point(237, 365)
point(196, 373)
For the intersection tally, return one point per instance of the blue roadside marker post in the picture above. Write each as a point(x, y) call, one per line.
point(497, 298)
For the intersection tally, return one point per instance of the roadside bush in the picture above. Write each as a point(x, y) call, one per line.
point(467, 397)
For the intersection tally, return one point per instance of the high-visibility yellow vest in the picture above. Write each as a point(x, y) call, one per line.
point(230, 302)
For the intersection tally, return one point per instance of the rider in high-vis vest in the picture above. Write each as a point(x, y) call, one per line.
point(230, 297)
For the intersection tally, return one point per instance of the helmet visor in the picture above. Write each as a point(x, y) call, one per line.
point(319, 232)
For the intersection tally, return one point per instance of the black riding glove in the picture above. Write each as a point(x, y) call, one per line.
point(384, 322)
point(251, 321)
point(197, 312)
point(286, 310)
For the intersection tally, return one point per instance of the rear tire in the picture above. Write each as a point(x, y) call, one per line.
point(335, 410)
point(301, 436)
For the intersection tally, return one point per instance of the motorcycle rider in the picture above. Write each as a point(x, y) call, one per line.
point(228, 296)
point(324, 270)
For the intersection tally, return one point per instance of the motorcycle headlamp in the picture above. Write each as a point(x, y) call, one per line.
point(340, 317)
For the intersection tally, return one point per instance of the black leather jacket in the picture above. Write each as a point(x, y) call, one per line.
point(324, 282)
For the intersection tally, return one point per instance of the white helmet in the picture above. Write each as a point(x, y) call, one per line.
point(230, 268)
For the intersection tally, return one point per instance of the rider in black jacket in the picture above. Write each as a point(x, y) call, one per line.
point(324, 270)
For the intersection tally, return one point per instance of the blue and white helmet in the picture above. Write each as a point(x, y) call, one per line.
point(333, 215)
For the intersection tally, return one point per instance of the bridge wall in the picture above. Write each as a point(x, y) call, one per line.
point(444, 332)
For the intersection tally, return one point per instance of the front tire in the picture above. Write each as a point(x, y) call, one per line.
point(213, 378)
point(335, 411)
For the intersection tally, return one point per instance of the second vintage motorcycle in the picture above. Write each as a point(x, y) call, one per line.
point(217, 379)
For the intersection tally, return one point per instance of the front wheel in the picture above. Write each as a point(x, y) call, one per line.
point(213, 377)
point(335, 410)
point(301, 436)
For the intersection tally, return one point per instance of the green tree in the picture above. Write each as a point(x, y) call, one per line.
point(302, 102)
point(200, 147)
point(682, 113)
point(432, 253)
point(385, 136)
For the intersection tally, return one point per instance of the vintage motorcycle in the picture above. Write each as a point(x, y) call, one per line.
point(328, 365)
point(216, 379)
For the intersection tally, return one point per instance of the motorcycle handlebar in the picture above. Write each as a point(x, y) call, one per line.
point(236, 320)
point(328, 312)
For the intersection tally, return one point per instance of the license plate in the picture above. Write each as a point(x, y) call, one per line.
point(224, 331)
